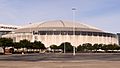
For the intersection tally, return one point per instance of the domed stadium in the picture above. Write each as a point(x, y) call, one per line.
point(59, 31)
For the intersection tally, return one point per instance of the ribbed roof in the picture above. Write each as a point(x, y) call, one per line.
point(60, 25)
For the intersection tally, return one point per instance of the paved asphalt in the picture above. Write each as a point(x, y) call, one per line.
point(61, 57)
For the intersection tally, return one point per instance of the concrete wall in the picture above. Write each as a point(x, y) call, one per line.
point(58, 39)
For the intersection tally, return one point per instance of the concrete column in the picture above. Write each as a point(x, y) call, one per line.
point(110, 40)
point(86, 39)
point(98, 39)
point(60, 39)
point(79, 39)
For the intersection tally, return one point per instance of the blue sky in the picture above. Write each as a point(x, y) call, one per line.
point(104, 14)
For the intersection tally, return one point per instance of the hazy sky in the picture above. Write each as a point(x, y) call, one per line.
point(104, 14)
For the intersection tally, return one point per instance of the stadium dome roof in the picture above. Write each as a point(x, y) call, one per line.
point(58, 25)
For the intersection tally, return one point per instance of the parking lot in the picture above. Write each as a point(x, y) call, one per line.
point(61, 57)
point(51, 60)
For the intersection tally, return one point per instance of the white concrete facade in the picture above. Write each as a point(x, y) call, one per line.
point(58, 39)
point(45, 28)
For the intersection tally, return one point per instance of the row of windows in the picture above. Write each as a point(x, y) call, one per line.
point(8, 27)
point(73, 33)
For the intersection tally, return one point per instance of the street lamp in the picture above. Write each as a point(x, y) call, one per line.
point(73, 12)
point(30, 31)
point(64, 48)
point(64, 45)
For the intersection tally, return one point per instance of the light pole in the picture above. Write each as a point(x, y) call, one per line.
point(73, 12)
point(64, 48)
point(64, 43)
point(30, 32)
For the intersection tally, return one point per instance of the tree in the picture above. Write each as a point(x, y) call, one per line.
point(100, 46)
point(96, 47)
point(87, 47)
point(111, 47)
point(105, 47)
point(17, 45)
point(116, 47)
point(24, 44)
point(84, 46)
point(67, 45)
point(6, 42)
point(80, 48)
point(38, 45)
point(54, 47)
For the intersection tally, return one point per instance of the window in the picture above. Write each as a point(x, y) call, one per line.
point(77, 32)
point(89, 33)
point(104, 34)
point(63, 32)
point(83, 33)
point(95, 33)
point(100, 34)
point(42, 32)
point(70, 32)
point(35, 32)
point(49, 32)
point(56, 32)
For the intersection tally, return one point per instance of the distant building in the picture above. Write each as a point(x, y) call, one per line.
point(60, 31)
point(5, 29)
point(118, 38)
